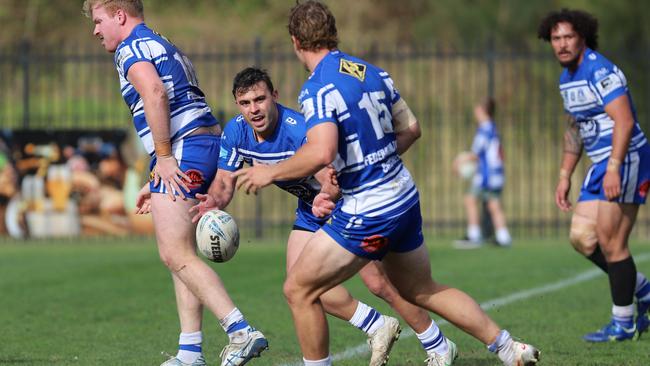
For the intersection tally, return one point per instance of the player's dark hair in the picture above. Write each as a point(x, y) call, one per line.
point(585, 24)
point(490, 106)
point(313, 25)
point(248, 78)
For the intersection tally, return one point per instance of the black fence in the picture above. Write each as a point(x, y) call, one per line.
point(66, 88)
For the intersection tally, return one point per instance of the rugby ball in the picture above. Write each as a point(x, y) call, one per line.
point(217, 236)
point(465, 165)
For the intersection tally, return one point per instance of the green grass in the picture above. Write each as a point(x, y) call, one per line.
point(106, 302)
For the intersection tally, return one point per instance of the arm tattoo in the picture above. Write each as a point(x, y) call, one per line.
point(572, 139)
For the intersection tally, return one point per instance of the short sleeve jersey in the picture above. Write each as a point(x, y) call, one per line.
point(586, 92)
point(487, 146)
point(239, 145)
point(358, 97)
point(188, 108)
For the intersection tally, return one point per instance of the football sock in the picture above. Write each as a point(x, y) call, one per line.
point(503, 236)
point(366, 318)
point(623, 315)
point(502, 346)
point(474, 233)
point(327, 361)
point(433, 340)
point(642, 291)
point(598, 259)
point(189, 347)
point(233, 322)
point(622, 280)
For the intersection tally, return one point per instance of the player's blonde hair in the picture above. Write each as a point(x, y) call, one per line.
point(134, 8)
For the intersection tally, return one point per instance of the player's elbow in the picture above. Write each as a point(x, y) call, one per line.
point(324, 155)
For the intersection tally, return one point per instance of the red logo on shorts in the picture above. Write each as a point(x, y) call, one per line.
point(643, 188)
point(374, 243)
point(196, 179)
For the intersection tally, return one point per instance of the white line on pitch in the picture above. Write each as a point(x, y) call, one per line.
point(493, 304)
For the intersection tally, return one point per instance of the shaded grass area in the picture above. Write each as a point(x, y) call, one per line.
point(111, 303)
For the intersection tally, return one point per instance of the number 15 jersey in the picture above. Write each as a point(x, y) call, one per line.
point(358, 97)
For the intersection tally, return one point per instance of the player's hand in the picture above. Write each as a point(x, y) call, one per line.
point(171, 176)
point(612, 184)
point(206, 203)
point(333, 176)
point(562, 194)
point(254, 178)
point(322, 205)
point(143, 200)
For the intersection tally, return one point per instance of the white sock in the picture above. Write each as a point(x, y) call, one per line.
point(233, 322)
point(366, 318)
point(432, 340)
point(503, 236)
point(623, 314)
point(474, 232)
point(502, 346)
point(327, 361)
point(189, 347)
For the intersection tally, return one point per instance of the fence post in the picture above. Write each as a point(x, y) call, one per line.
point(259, 217)
point(24, 60)
point(489, 62)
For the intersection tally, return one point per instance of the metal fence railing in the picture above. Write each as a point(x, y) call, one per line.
point(71, 88)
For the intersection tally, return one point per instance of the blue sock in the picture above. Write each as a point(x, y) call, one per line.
point(642, 291)
point(189, 347)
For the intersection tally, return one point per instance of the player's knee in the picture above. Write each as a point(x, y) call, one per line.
point(380, 287)
point(583, 236)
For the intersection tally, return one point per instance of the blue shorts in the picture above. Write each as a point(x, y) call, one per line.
point(197, 157)
point(635, 179)
point(373, 237)
point(305, 219)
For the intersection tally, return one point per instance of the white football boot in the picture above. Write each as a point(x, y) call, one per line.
point(524, 354)
point(244, 345)
point(444, 360)
point(176, 362)
point(382, 340)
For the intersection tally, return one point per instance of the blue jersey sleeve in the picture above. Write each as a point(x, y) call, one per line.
point(229, 157)
point(609, 81)
point(320, 104)
point(138, 50)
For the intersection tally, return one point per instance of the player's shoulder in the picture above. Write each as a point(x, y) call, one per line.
point(596, 65)
point(289, 116)
point(235, 128)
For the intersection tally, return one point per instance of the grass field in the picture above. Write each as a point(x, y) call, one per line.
point(111, 303)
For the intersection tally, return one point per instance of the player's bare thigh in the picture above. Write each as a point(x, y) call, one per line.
point(410, 273)
point(582, 234)
point(295, 244)
point(614, 224)
point(325, 265)
point(175, 232)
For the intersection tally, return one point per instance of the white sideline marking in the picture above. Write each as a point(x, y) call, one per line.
point(493, 304)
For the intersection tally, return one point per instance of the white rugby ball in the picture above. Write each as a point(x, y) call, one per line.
point(465, 165)
point(217, 236)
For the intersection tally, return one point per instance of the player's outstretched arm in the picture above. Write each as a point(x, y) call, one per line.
point(570, 158)
point(144, 78)
point(219, 195)
point(620, 111)
point(318, 152)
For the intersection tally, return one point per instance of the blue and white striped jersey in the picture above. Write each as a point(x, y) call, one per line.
point(586, 92)
point(487, 146)
point(239, 145)
point(187, 105)
point(358, 97)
